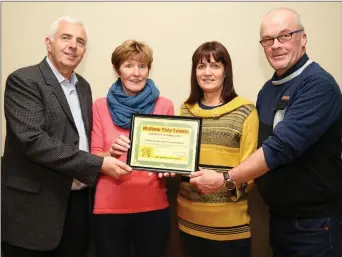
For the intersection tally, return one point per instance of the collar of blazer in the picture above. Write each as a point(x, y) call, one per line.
point(47, 73)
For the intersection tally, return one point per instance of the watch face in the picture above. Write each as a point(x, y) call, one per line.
point(230, 185)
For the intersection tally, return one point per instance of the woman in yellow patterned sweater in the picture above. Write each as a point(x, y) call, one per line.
point(217, 224)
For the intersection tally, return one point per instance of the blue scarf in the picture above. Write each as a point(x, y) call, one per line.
point(122, 106)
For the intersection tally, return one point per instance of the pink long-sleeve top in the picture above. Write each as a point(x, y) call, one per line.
point(136, 192)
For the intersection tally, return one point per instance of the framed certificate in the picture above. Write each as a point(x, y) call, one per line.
point(164, 143)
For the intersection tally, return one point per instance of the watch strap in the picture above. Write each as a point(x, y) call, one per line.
point(226, 176)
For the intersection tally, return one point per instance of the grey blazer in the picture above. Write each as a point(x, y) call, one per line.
point(41, 156)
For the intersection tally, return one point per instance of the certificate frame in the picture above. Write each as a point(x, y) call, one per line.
point(163, 143)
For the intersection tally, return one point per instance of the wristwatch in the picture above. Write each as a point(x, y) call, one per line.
point(229, 184)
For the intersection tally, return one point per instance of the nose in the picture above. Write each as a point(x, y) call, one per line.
point(276, 44)
point(207, 70)
point(135, 70)
point(73, 43)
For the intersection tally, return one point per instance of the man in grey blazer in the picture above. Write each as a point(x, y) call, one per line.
point(47, 168)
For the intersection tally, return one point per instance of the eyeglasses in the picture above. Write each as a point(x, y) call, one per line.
point(281, 38)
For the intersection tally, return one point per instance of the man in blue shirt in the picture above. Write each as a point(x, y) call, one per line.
point(298, 165)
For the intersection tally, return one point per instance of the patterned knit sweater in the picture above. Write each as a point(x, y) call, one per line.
point(229, 135)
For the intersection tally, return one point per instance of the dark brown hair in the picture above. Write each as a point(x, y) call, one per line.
point(220, 54)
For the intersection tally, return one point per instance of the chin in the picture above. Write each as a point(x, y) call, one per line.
point(210, 90)
point(279, 66)
point(71, 64)
point(136, 89)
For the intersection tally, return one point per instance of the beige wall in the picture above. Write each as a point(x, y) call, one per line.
point(173, 30)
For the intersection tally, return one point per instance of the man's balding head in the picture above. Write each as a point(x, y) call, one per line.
point(281, 15)
point(284, 27)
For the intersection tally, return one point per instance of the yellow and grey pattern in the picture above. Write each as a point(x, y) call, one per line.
point(218, 216)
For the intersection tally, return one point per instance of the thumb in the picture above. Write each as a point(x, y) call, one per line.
point(196, 174)
point(194, 180)
point(123, 165)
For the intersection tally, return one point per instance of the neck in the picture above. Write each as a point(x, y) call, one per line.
point(65, 74)
point(212, 99)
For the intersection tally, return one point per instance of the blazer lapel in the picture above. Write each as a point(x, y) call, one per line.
point(81, 98)
point(51, 80)
point(59, 93)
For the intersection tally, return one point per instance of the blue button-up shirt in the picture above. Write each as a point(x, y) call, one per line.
point(70, 91)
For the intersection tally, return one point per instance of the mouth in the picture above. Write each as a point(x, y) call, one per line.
point(278, 55)
point(208, 80)
point(135, 81)
point(70, 55)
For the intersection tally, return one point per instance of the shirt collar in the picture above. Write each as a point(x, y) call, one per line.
point(60, 78)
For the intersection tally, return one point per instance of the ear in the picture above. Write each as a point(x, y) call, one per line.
point(48, 43)
point(304, 39)
point(116, 72)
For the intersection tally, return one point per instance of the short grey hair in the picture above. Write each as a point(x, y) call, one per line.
point(54, 26)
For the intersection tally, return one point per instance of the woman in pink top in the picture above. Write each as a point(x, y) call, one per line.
point(131, 209)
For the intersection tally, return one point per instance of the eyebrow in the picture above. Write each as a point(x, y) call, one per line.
point(66, 34)
point(138, 62)
point(69, 35)
point(215, 62)
point(283, 31)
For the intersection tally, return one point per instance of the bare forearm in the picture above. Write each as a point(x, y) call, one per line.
point(253, 167)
